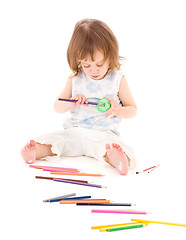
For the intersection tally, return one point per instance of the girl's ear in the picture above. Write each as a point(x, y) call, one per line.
point(109, 68)
point(79, 65)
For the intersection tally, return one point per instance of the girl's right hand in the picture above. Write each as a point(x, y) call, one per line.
point(81, 100)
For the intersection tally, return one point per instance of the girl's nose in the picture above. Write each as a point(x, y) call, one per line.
point(94, 69)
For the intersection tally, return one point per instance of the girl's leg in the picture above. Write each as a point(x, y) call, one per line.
point(33, 151)
point(117, 158)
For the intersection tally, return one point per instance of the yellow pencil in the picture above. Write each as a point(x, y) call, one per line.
point(158, 222)
point(112, 225)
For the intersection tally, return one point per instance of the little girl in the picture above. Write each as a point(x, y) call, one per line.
point(93, 57)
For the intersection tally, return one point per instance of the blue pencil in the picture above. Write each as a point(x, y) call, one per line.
point(104, 204)
point(73, 198)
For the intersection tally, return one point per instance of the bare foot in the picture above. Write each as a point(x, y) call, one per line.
point(28, 152)
point(117, 158)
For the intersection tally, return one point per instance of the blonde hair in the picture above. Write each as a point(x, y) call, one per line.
point(88, 36)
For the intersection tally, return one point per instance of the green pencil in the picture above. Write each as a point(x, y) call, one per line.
point(125, 228)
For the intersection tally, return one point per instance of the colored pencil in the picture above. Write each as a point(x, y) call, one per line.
point(65, 201)
point(78, 183)
point(159, 222)
point(46, 178)
point(50, 178)
point(126, 227)
point(72, 100)
point(60, 197)
point(105, 204)
point(69, 199)
point(78, 174)
point(118, 226)
point(148, 169)
point(83, 201)
point(59, 170)
point(118, 211)
point(112, 225)
point(62, 168)
point(153, 168)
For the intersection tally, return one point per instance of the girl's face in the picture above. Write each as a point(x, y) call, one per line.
point(96, 69)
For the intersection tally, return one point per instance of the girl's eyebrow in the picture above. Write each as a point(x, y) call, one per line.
point(100, 61)
point(89, 62)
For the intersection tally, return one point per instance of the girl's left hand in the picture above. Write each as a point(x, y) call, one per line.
point(113, 108)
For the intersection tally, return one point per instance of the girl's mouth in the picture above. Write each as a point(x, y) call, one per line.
point(96, 76)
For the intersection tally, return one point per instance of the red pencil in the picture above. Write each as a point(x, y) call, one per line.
point(151, 169)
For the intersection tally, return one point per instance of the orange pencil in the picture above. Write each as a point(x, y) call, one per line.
point(83, 201)
point(77, 174)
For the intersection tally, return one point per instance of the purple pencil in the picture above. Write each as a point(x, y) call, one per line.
point(72, 100)
point(78, 183)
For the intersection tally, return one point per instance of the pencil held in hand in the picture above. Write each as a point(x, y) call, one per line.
point(103, 104)
point(72, 100)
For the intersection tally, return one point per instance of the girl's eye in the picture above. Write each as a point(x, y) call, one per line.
point(100, 65)
point(86, 66)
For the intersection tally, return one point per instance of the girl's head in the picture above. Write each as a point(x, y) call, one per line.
point(93, 48)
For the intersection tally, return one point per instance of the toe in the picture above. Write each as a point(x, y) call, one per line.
point(107, 146)
point(27, 145)
point(115, 145)
point(120, 149)
point(26, 148)
point(32, 143)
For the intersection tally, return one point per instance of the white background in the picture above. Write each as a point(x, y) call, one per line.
point(33, 70)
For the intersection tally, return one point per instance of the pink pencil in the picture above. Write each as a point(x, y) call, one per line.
point(118, 211)
point(59, 170)
point(62, 168)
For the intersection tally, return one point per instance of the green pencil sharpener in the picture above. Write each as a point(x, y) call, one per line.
point(103, 105)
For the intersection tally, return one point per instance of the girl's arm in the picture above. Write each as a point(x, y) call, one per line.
point(62, 107)
point(129, 109)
